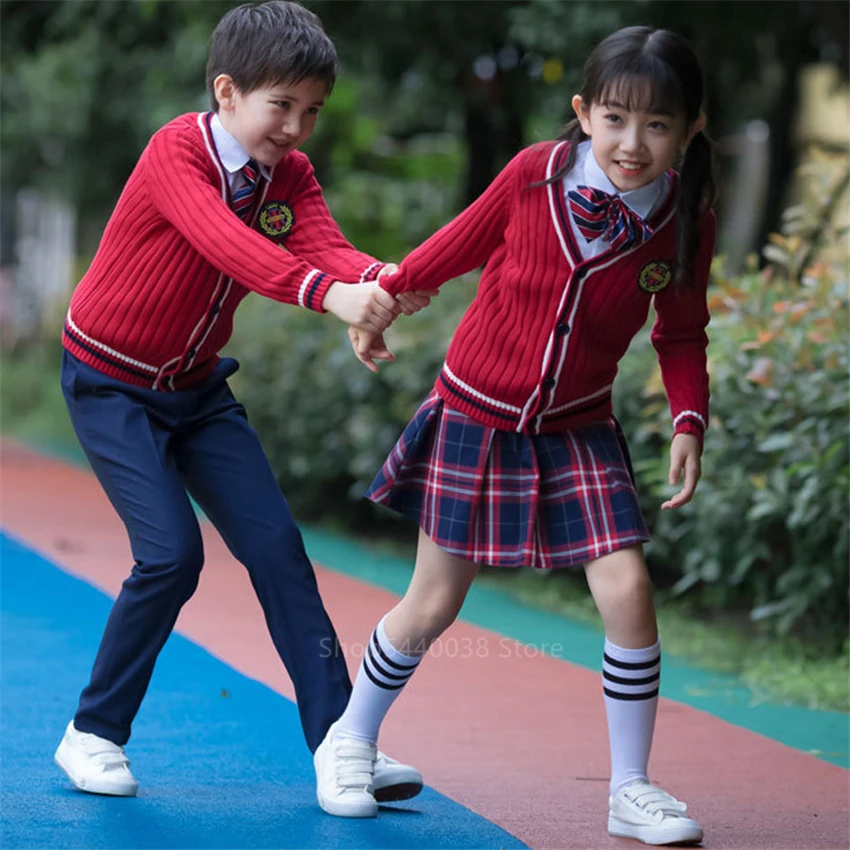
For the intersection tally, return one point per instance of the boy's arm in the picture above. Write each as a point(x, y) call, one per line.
point(315, 235)
point(680, 339)
point(466, 242)
point(177, 177)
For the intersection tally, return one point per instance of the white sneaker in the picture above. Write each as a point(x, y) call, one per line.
point(651, 815)
point(393, 781)
point(344, 776)
point(95, 765)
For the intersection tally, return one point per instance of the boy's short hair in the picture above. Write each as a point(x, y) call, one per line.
point(260, 44)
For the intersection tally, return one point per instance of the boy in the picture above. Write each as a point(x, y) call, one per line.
point(218, 205)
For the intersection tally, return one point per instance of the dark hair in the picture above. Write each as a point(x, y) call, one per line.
point(656, 71)
point(270, 43)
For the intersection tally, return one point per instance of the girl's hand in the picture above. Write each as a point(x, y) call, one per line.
point(684, 455)
point(364, 305)
point(413, 301)
point(369, 347)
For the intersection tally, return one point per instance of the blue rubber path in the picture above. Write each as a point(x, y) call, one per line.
point(221, 757)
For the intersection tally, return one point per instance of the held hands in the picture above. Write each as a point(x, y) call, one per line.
point(684, 456)
point(367, 341)
point(363, 305)
point(413, 301)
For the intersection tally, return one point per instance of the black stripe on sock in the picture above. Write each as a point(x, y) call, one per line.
point(379, 669)
point(631, 665)
point(619, 680)
point(631, 697)
point(403, 667)
point(379, 683)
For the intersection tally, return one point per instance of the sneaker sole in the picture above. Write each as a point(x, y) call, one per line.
point(399, 791)
point(654, 835)
point(348, 810)
point(95, 787)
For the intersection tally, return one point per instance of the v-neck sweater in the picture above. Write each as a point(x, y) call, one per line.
point(156, 305)
point(538, 348)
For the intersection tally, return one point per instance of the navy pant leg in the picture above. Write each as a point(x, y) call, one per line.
point(128, 443)
point(227, 472)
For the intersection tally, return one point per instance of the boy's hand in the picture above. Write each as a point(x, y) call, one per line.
point(364, 305)
point(369, 347)
point(684, 455)
point(413, 301)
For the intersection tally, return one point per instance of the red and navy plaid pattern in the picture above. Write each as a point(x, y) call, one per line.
point(512, 500)
point(597, 213)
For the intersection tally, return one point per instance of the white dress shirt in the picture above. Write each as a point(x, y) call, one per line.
point(232, 156)
point(587, 172)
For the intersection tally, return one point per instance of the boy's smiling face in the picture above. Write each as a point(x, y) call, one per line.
point(270, 121)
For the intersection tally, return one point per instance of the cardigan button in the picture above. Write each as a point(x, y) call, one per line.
point(191, 352)
point(548, 383)
point(562, 329)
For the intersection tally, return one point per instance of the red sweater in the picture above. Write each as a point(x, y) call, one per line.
point(156, 306)
point(537, 350)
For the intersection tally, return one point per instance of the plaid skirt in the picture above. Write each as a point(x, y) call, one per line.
point(512, 500)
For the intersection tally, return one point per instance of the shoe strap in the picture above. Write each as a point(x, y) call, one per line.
point(109, 758)
point(653, 799)
point(355, 763)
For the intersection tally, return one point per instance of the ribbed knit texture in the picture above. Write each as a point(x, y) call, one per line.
point(175, 261)
point(538, 348)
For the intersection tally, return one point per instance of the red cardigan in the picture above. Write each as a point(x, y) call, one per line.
point(156, 306)
point(537, 350)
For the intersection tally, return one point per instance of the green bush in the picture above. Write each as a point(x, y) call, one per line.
point(768, 528)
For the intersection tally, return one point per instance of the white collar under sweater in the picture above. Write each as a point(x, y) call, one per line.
point(587, 172)
point(232, 154)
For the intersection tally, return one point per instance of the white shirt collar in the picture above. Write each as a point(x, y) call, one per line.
point(643, 201)
point(231, 153)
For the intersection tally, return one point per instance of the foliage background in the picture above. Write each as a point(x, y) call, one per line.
point(434, 97)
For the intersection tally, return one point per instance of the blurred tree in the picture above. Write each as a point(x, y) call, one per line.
point(753, 53)
point(86, 82)
point(443, 66)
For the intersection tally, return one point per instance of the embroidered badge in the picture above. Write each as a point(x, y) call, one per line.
point(276, 218)
point(655, 276)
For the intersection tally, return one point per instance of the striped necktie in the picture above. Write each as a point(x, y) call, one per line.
point(596, 213)
point(243, 198)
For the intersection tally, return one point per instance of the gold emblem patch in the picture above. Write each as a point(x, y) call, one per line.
point(655, 276)
point(276, 218)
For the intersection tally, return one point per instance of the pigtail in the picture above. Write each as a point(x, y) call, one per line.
point(697, 193)
point(574, 135)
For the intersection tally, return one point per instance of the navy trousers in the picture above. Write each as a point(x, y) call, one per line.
point(149, 448)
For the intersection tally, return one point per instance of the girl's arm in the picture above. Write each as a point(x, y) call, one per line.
point(680, 339)
point(466, 242)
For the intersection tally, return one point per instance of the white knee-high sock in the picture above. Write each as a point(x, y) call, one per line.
point(630, 679)
point(383, 673)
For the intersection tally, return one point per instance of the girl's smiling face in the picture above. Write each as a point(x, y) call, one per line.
point(633, 146)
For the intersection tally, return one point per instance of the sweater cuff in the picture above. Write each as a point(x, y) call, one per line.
point(371, 272)
point(690, 422)
point(313, 289)
point(396, 283)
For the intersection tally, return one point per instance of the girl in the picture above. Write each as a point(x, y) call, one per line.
point(515, 459)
